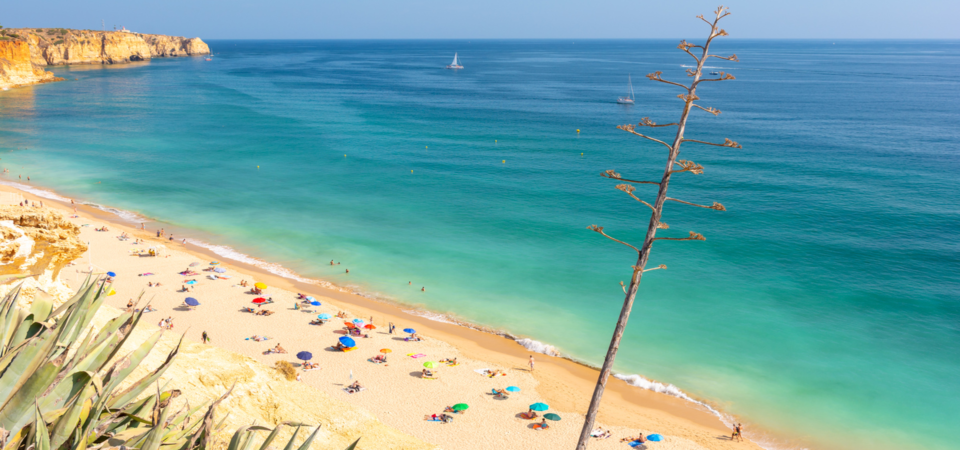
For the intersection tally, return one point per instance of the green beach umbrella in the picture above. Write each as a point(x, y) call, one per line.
point(551, 416)
point(430, 365)
point(460, 407)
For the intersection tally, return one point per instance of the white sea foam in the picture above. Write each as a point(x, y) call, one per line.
point(36, 191)
point(125, 215)
point(276, 269)
point(436, 317)
point(669, 389)
point(538, 347)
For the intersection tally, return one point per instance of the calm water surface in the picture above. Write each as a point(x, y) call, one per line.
point(823, 306)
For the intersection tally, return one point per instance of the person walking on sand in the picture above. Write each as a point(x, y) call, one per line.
point(390, 327)
point(736, 432)
point(205, 338)
point(531, 363)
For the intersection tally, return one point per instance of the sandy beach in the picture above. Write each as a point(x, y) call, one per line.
point(395, 392)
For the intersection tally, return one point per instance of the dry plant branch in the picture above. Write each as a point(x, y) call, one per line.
point(630, 290)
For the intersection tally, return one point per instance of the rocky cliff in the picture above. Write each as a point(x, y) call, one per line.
point(17, 68)
point(37, 241)
point(60, 46)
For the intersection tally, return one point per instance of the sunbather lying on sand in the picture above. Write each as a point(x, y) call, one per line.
point(426, 374)
point(264, 312)
point(529, 415)
point(631, 439)
point(354, 388)
point(379, 359)
point(451, 361)
point(500, 393)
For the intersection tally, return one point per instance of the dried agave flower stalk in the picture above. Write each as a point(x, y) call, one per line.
point(700, 53)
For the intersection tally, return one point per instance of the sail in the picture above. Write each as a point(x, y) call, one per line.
point(630, 82)
point(454, 63)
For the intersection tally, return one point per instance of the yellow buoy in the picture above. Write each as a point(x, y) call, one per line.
point(258, 167)
point(344, 155)
point(578, 131)
point(426, 146)
point(411, 171)
point(504, 161)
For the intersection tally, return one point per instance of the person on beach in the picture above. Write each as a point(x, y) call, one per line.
point(531, 363)
point(348, 270)
point(423, 289)
point(737, 433)
point(205, 338)
point(331, 262)
point(391, 327)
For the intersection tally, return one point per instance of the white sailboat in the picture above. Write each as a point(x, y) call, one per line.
point(456, 63)
point(628, 100)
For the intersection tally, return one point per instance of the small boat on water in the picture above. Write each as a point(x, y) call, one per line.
point(628, 100)
point(456, 63)
point(714, 73)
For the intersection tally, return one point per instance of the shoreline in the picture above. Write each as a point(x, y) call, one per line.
point(556, 373)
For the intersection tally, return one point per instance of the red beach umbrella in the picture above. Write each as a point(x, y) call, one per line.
point(350, 324)
point(259, 300)
point(370, 326)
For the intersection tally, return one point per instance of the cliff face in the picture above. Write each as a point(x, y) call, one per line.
point(17, 67)
point(37, 241)
point(58, 46)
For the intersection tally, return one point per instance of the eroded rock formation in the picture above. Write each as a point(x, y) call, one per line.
point(17, 67)
point(60, 46)
point(35, 241)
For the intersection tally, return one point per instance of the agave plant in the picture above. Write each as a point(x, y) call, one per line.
point(57, 392)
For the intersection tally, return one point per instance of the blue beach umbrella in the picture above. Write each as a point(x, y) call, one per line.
point(305, 356)
point(220, 270)
point(324, 316)
point(315, 303)
point(111, 274)
point(191, 282)
point(539, 407)
point(347, 341)
point(513, 389)
point(192, 301)
point(357, 320)
point(310, 298)
point(409, 330)
point(655, 438)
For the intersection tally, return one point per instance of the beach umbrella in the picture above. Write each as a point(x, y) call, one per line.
point(551, 416)
point(112, 292)
point(358, 321)
point(310, 298)
point(192, 301)
point(347, 342)
point(350, 324)
point(214, 263)
point(315, 303)
point(259, 285)
point(111, 274)
point(539, 407)
point(409, 330)
point(194, 264)
point(655, 438)
point(259, 300)
point(513, 389)
point(430, 365)
point(220, 270)
point(370, 326)
point(324, 316)
point(305, 356)
point(385, 350)
point(460, 407)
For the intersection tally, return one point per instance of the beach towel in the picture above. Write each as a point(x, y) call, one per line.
point(539, 426)
point(416, 355)
point(636, 444)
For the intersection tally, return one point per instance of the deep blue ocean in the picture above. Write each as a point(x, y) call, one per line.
point(824, 306)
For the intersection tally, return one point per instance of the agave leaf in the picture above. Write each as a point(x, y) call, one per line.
point(22, 330)
point(353, 445)
point(289, 445)
point(273, 434)
point(131, 435)
point(79, 440)
point(8, 312)
point(16, 412)
point(42, 306)
point(201, 438)
point(137, 388)
point(67, 389)
point(132, 360)
point(22, 368)
point(42, 439)
point(237, 439)
point(306, 444)
point(77, 308)
point(99, 296)
point(10, 354)
point(68, 422)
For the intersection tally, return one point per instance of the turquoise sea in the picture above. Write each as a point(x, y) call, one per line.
point(824, 306)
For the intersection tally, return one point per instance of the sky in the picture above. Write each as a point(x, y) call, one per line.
point(494, 19)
